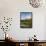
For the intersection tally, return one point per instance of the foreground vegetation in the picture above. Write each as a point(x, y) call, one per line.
point(26, 23)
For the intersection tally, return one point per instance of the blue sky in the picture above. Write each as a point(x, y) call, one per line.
point(25, 15)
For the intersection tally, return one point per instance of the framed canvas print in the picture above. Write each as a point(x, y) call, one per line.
point(25, 19)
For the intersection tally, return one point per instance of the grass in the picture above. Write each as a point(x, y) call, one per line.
point(26, 23)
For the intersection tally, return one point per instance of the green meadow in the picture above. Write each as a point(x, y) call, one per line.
point(26, 23)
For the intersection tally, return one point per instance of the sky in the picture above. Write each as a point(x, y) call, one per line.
point(25, 15)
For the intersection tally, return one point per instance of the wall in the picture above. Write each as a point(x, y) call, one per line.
point(12, 8)
point(45, 27)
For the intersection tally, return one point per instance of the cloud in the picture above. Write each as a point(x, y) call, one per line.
point(26, 17)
